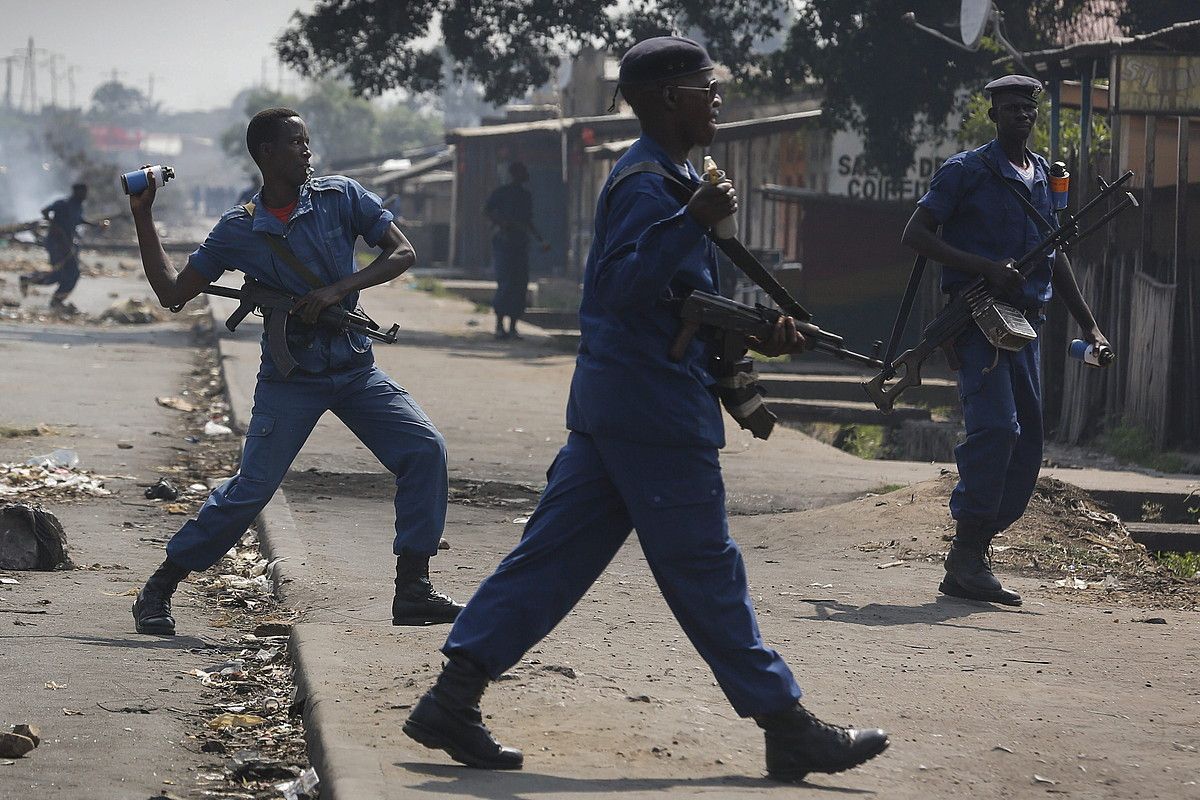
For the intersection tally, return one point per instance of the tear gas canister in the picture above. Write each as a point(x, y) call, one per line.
point(1096, 356)
point(138, 181)
point(728, 227)
point(1060, 183)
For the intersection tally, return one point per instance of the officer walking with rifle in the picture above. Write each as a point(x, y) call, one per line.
point(297, 239)
point(994, 205)
point(642, 452)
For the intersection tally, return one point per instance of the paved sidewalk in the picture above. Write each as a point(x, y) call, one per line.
point(112, 705)
point(1060, 698)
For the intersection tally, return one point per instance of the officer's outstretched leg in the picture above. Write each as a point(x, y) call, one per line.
point(390, 423)
point(283, 417)
point(577, 528)
point(677, 501)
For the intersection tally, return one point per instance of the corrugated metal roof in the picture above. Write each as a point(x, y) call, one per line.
point(742, 129)
point(548, 125)
point(1183, 36)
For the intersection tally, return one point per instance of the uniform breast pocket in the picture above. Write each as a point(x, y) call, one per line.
point(338, 245)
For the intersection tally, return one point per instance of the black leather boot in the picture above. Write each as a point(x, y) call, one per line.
point(798, 743)
point(416, 601)
point(969, 571)
point(447, 718)
point(152, 608)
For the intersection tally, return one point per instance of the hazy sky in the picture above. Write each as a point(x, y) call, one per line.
point(201, 53)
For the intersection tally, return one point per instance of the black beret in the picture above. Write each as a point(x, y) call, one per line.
point(1015, 84)
point(661, 58)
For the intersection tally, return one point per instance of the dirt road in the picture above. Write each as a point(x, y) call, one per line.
point(1061, 697)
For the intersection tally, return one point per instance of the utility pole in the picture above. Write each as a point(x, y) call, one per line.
point(29, 84)
point(52, 62)
point(8, 69)
point(71, 85)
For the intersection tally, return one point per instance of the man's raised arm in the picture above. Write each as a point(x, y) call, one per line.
point(172, 288)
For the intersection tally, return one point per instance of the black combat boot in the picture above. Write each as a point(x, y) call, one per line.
point(969, 571)
point(416, 601)
point(798, 743)
point(152, 608)
point(447, 718)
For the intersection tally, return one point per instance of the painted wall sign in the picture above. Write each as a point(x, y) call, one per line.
point(1156, 83)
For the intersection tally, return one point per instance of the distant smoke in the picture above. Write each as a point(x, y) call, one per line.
point(28, 178)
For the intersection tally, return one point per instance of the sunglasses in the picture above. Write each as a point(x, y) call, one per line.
point(712, 89)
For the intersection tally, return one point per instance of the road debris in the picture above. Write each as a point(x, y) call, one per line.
point(44, 481)
point(57, 458)
point(162, 489)
point(31, 538)
point(303, 788)
point(134, 311)
point(22, 740)
point(212, 428)
point(177, 403)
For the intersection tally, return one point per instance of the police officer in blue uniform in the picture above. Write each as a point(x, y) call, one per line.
point(65, 216)
point(641, 454)
point(318, 219)
point(984, 230)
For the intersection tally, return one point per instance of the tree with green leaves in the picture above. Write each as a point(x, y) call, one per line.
point(1144, 16)
point(877, 73)
point(116, 102)
point(507, 46)
point(342, 125)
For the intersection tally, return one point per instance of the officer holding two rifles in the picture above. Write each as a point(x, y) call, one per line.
point(976, 199)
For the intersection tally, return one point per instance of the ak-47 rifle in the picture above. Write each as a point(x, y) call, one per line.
point(276, 307)
point(975, 301)
point(702, 310)
point(737, 383)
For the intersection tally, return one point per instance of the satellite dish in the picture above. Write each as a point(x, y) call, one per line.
point(973, 18)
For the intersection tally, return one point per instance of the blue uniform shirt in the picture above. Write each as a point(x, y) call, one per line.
point(978, 215)
point(67, 215)
point(331, 213)
point(646, 249)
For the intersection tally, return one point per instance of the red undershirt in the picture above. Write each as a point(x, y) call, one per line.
point(285, 213)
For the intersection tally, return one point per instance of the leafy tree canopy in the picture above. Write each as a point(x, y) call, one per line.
point(508, 46)
point(342, 124)
point(116, 102)
point(1144, 16)
point(877, 73)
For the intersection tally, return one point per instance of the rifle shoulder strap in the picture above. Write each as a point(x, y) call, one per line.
point(286, 255)
point(677, 186)
point(1033, 213)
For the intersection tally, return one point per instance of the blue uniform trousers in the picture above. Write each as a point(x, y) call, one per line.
point(378, 411)
point(599, 489)
point(999, 461)
point(65, 260)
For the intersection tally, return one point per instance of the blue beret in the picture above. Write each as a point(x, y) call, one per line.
point(1015, 84)
point(661, 58)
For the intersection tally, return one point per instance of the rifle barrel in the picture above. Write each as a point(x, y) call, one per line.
point(223, 291)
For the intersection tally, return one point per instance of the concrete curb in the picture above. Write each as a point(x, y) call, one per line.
point(336, 766)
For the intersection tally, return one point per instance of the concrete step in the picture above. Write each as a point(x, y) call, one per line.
point(481, 291)
point(552, 318)
point(842, 412)
point(1130, 506)
point(1168, 537)
point(932, 392)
